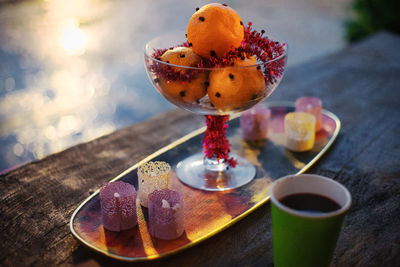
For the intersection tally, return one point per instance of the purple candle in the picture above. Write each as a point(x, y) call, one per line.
point(312, 105)
point(118, 206)
point(254, 123)
point(165, 214)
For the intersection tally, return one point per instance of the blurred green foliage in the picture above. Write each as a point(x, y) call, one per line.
point(372, 16)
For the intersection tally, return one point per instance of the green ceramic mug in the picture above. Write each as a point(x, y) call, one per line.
point(306, 238)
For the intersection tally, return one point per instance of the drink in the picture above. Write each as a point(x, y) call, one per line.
point(310, 203)
point(307, 213)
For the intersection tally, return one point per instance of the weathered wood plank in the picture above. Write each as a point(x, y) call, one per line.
point(360, 84)
point(39, 198)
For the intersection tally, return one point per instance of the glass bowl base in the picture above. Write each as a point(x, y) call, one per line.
point(192, 172)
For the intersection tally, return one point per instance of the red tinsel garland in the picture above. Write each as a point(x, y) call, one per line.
point(254, 43)
point(215, 144)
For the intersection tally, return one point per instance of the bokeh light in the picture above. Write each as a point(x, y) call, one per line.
point(71, 71)
point(73, 39)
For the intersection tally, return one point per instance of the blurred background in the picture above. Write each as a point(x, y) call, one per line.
point(72, 70)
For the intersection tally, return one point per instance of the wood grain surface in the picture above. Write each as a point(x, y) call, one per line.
point(360, 84)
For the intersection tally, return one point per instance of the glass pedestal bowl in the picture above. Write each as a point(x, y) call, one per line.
point(227, 89)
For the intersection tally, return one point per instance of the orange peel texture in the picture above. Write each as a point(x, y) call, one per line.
point(183, 91)
point(236, 87)
point(182, 56)
point(214, 30)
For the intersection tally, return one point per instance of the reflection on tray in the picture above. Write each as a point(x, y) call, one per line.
point(206, 213)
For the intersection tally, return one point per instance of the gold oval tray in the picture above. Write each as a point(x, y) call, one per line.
point(206, 213)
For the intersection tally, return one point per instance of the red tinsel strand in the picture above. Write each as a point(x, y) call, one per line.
point(254, 43)
point(215, 143)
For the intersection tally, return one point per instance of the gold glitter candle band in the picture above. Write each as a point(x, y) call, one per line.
point(152, 175)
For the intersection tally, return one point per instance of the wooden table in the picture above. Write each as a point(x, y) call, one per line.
point(360, 84)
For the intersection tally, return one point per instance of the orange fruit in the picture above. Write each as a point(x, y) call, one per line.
point(183, 91)
point(244, 61)
point(214, 30)
point(183, 56)
point(236, 87)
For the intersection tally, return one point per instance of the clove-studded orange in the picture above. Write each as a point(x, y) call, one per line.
point(236, 86)
point(214, 30)
point(183, 91)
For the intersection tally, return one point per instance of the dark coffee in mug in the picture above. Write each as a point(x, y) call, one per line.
point(308, 202)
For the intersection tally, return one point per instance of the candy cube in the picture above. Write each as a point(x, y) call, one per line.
point(312, 105)
point(166, 219)
point(152, 176)
point(299, 131)
point(118, 206)
point(254, 123)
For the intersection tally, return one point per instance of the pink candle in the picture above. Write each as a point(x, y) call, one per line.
point(165, 214)
point(118, 206)
point(312, 105)
point(254, 123)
